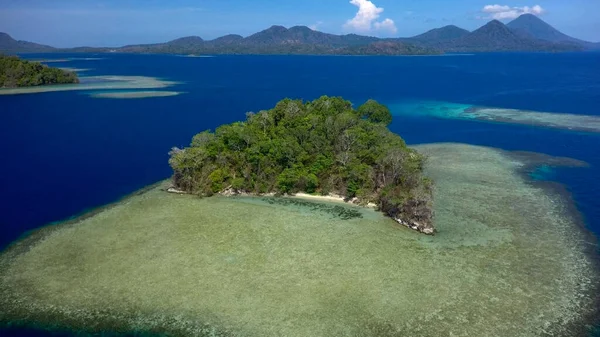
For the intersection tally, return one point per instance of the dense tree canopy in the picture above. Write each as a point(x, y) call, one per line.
point(15, 72)
point(324, 146)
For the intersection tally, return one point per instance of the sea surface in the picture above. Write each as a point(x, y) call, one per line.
point(64, 153)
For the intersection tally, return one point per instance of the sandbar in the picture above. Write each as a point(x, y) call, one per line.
point(76, 70)
point(135, 94)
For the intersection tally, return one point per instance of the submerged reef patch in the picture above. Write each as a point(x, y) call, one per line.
point(336, 211)
point(135, 94)
point(75, 70)
point(104, 82)
point(447, 110)
point(508, 261)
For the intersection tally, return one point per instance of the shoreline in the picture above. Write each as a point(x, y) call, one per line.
point(331, 198)
point(301, 195)
point(41, 233)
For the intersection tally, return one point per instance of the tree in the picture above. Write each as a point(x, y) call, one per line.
point(15, 72)
point(375, 112)
point(323, 146)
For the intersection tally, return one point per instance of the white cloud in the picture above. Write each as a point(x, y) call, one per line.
point(501, 12)
point(386, 25)
point(365, 20)
point(495, 9)
point(316, 25)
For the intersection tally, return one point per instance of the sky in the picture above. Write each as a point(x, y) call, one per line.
point(70, 23)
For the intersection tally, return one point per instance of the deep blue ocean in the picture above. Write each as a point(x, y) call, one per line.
point(64, 153)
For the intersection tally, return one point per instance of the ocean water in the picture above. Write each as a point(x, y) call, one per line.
point(66, 152)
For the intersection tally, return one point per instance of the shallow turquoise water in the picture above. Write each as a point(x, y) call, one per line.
point(506, 262)
point(66, 152)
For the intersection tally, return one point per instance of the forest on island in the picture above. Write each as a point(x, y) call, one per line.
point(321, 147)
point(15, 72)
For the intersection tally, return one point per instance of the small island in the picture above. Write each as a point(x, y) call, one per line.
point(15, 73)
point(323, 147)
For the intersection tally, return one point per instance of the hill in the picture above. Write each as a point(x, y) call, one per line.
point(439, 36)
point(324, 146)
point(9, 45)
point(497, 37)
point(15, 72)
point(227, 39)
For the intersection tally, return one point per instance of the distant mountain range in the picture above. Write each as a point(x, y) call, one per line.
point(526, 33)
point(495, 36)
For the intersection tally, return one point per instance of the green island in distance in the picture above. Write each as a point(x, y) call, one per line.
point(323, 147)
point(15, 73)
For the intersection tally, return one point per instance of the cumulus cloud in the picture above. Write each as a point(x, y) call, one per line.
point(365, 20)
point(386, 25)
point(501, 12)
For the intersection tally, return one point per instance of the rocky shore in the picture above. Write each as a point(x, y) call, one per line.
point(422, 228)
point(414, 225)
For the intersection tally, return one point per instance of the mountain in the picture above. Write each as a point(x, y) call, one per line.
point(227, 39)
point(497, 37)
point(441, 35)
point(531, 26)
point(281, 40)
point(11, 46)
point(182, 45)
point(190, 41)
point(526, 33)
point(305, 35)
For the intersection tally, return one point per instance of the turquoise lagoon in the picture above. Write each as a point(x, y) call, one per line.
point(449, 110)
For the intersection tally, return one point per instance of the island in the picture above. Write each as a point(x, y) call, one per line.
point(324, 147)
point(509, 260)
point(15, 72)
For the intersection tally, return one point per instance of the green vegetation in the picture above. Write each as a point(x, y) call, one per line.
point(15, 72)
point(324, 146)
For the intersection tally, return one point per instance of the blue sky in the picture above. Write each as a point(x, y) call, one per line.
point(67, 23)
